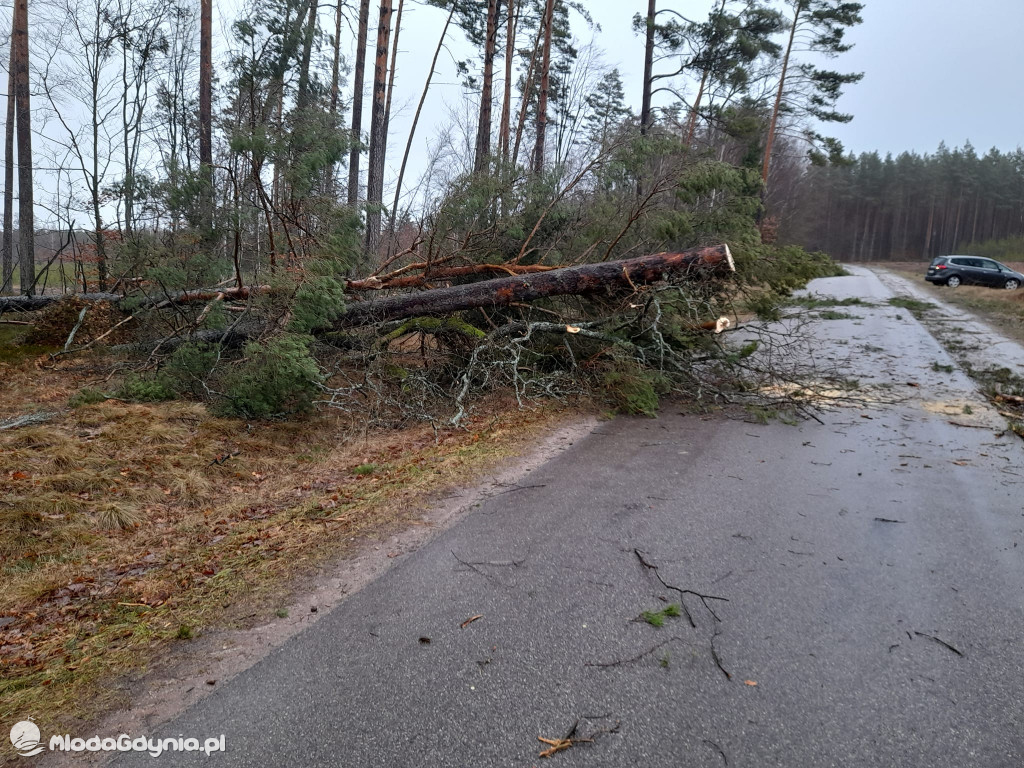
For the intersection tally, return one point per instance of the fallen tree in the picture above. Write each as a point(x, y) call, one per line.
point(532, 284)
point(586, 279)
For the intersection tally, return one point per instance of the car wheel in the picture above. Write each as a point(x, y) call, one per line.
point(953, 282)
point(1011, 284)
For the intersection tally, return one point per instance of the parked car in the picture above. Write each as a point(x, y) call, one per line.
point(972, 270)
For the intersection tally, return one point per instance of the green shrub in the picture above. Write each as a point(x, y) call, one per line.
point(144, 389)
point(86, 396)
point(276, 376)
point(634, 391)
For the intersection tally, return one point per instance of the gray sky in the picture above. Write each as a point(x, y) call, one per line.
point(934, 70)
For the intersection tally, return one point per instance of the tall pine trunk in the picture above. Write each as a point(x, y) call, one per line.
point(206, 108)
point(7, 249)
point(378, 133)
point(483, 128)
point(504, 137)
point(645, 101)
point(773, 124)
point(358, 77)
point(23, 117)
point(545, 83)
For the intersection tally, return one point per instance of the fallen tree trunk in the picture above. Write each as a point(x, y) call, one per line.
point(606, 276)
point(525, 283)
point(444, 273)
point(32, 303)
point(576, 281)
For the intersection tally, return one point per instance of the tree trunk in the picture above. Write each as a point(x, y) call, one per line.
point(766, 164)
point(206, 108)
point(645, 101)
point(357, 102)
point(7, 249)
point(336, 65)
point(527, 90)
point(394, 62)
point(691, 129)
point(378, 134)
point(504, 132)
point(483, 128)
point(606, 276)
point(545, 82)
point(23, 109)
point(303, 96)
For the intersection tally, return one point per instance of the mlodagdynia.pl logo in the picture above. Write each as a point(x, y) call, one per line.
point(25, 738)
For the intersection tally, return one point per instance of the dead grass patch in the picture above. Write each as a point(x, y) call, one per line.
point(121, 524)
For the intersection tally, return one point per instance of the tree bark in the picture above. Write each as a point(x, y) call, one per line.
point(483, 128)
point(645, 102)
point(336, 65)
point(394, 63)
point(303, 96)
point(357, 102)
point(378, 134)
point(535, 282)
point(606, 276)
point(504, 131)
point(206, 108)
point(527, 90)
point(766, 164)
point(545, 81)
point(22, 95)
point(7, 248)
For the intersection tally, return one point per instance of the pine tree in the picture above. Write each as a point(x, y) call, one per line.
point(607, 108)
point(823, 23)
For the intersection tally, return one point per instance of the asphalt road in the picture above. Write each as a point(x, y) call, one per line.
point(865, 574)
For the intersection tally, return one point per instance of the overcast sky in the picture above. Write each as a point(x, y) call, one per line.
point(934, 70)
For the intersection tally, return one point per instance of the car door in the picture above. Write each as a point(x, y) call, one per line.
point(964, 267)
point(989, 273)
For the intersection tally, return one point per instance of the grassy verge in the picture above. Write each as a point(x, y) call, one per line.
point(127, 528)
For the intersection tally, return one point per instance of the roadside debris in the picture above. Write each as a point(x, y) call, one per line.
point(571, 739)
point(943, 643)
point(470, 620)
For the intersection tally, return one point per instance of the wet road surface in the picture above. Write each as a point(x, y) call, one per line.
point(866, 573)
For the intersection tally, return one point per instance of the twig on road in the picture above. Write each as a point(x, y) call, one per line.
point(943, 643)
point(702, 597)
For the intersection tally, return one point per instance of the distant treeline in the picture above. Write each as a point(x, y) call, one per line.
point(913, 207)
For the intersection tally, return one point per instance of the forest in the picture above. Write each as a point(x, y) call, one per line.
point(235, 213)
point(912, 207)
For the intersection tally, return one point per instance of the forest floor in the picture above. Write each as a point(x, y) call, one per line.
point(1003, 309)
point(128, 528)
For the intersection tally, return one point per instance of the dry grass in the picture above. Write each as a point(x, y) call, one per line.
point(124, 527)
point(1004, 309)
